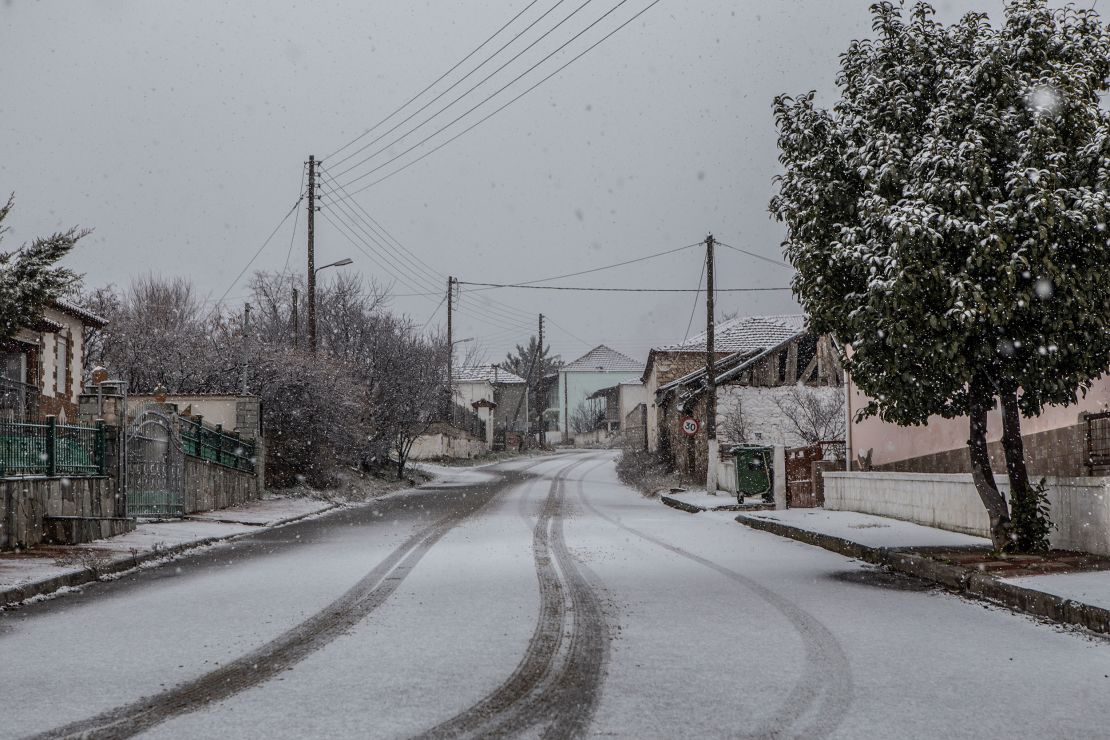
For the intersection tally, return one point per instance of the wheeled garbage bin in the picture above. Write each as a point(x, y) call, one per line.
point(754, 472)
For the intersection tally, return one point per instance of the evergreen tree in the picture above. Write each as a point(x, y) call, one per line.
point(520, 363)
point(29, 277)
point(947, 219)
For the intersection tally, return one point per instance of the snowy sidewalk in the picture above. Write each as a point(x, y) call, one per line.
point(43, 570)
point(698, 500)
point(1069, 588)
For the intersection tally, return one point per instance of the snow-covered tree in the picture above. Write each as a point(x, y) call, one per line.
point(947, 219)
point(30, 277)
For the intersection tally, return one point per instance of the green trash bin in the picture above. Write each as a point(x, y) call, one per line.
point(754, 471)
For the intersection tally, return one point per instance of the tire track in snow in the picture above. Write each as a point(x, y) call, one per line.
point(557, 684)
point(816, 705)
point(289, 648)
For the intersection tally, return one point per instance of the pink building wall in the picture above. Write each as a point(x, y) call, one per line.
point(891, 443)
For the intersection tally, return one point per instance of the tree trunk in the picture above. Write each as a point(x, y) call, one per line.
point(1012, 445)
point(981, 471)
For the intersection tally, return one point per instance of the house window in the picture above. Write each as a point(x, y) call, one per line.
point(61, 370)
point(13, 366)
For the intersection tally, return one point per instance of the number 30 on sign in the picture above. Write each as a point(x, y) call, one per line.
point(690, 426)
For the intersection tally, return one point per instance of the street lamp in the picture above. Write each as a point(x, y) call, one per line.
point(312, 299)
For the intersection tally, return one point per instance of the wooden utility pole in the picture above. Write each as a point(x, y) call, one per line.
point(539, 401)
point(713, 452)
point(450, 353)
point(312, 254)
point(296, 318)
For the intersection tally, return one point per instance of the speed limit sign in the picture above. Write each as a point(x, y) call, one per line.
point(690, 426)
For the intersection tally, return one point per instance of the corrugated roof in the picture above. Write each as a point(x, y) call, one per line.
point(606, 360)
point(745, 334)
point(488, 373)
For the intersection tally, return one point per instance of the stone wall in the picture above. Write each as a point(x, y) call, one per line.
point(1080, 506)
point(441, 445)
point(210, 486)
point(27, 504)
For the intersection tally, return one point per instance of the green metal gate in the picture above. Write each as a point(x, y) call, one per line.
point(155, 467)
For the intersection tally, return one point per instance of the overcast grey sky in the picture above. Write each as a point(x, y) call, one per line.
point(178, 132)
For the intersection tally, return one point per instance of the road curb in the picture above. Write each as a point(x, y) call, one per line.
point(688, 507)
point(15, 594)
point(965, 581)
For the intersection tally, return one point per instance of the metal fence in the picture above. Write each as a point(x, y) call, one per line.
point(51, 449)
point(18, 400)
point(214, 445)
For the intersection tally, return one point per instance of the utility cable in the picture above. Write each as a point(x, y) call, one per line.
point(777, 263)
point(619, 290)
point(454, 84)
point(498, 92)
point(296, 219)
point(252, 259)
point(694, 308)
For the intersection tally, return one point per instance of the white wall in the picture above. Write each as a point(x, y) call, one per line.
point(765, 423)
point(434, 446)
point(1080, 506)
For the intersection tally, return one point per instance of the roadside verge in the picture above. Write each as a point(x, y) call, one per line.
point(929, 563)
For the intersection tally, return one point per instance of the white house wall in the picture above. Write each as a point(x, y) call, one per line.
point(764, 421)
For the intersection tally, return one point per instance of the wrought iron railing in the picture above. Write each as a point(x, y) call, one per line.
point(50, 449)
point(213, 444)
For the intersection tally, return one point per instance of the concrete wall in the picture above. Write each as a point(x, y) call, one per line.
point(1080, 506)
point(234, 413)
point(439, 445)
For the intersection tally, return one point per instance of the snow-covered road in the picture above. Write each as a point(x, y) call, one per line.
point(539, 597)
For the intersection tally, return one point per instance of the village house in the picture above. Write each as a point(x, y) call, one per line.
point(41, 368)
point(764, 366)
point(601, 367)
point(494, 385)
point(623, 405)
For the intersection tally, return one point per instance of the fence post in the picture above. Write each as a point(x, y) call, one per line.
point(51, 446)
point(100, 447)
point(219, 444)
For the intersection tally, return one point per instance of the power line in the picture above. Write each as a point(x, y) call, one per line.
point(449, 89)
point(777, 263)
point(296, 219)
point(252, 259)
point(506, 105)
point(434, 312)
point(694, 308)
point(599, 269)
point(619, 290)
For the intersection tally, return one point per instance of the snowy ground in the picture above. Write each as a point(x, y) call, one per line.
point(708, 501)
point(872, 531)
point(1088, 588)
point(148, 536)
point(706, 628)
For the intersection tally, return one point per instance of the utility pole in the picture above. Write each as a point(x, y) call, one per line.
point(450, 353)
point(539, 401)
point(710, 375)
point(296, 318)
point(312, 254)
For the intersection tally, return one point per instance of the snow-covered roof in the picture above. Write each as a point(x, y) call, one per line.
point(76, 311)
point(745, 334)
point(488, 373)
point(606, 360)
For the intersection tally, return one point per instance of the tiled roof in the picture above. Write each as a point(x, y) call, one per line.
point(489, 373)
point(604, 359)
point(745, 334)
point(76, 311)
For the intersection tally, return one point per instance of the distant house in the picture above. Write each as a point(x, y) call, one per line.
point(601, 367)
point(759, 361)
point(621, 401)
point(41, 367)
point(493, 384)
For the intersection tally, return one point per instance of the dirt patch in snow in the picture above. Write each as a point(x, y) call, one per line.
point(645, 472)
